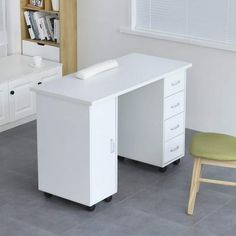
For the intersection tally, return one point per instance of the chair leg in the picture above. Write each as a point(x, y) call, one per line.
point(194, 185)
point(200, 175)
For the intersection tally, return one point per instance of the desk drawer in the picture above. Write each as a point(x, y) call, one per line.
point(44, 80)
point(174, 149)
point(175, 83)
point(174, 126)
point(45, 51)
point(174, 105)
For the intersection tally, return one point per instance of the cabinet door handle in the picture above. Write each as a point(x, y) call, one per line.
point(175, 83)
point(174, 149)
point(176, 105)
point(174, 128)
point(12, 92)
point(39, 83)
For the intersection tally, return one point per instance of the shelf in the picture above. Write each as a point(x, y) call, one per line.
point(66, 49)
point(45, 42)
point(32, 8)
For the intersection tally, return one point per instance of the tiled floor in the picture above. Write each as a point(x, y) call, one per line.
point(148, 203)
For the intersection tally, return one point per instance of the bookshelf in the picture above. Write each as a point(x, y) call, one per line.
point(64, 51)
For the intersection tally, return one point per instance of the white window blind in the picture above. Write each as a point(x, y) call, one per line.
point(3, 34)
point(207, 20)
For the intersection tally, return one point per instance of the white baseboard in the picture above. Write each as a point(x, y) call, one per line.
point(17, 123)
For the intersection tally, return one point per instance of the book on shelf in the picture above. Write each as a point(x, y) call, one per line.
point(43, 25)
point(37, 16)
point(57, 30)
point(34, 25)
point(29, 25)
point(44, 28)
point(50, 24)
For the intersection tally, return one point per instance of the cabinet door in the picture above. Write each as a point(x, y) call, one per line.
point(21, 99)
point(103, 144)
point(4, 106)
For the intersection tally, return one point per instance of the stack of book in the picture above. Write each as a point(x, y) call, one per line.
point(43, 26)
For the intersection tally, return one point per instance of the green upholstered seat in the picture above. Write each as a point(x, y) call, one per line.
point(214, 146)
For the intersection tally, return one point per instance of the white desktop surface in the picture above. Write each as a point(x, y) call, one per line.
point(17, 66)
point(134, 71)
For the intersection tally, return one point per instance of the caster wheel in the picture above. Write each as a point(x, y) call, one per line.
point(120, 158)
point(48, 195)
point(91, 208)
point(108, 199)
point(176, 162)
point(163, 169)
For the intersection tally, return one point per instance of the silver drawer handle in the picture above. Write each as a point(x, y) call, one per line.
point(174, 128)
point(175, 83)
point(176, 105)
point(175, 149)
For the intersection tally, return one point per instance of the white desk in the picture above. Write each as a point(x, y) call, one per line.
point(78, 125)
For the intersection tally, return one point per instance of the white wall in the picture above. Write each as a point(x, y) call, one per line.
point(13, 26)
point(211, 96)
point(211, 88)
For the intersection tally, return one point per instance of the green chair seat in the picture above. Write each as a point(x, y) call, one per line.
point(214, 146)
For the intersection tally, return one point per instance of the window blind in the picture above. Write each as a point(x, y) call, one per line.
point(210, 20)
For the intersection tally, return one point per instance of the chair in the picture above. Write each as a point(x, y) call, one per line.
point(210, 149)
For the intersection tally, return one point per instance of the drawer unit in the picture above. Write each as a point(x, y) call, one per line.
point(174, 149)
point(174, 105)
point(157, 138)
point(174, 83)
point(45, 51)
point(174, 126)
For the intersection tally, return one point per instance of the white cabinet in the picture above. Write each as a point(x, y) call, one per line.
point(4, 108)
point(21, 99)
point(77, 148)
point(153, 117)
point(17, 101)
